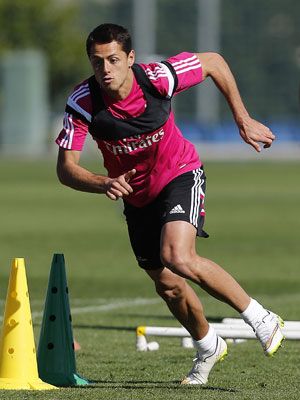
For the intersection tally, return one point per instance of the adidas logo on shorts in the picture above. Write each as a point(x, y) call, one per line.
point(177, 210)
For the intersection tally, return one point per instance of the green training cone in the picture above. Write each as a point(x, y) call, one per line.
point(56, 357)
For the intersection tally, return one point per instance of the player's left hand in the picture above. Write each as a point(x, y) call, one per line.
point(254, 133)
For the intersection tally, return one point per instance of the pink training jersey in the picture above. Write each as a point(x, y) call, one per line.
point(159, 156)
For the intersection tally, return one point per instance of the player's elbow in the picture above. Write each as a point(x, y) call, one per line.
point(211, 63)
point(62, 174)
point(216, 63)
point(67, 162)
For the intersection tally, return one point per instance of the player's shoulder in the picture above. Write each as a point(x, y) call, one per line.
point(154, 70)
point(160, 76)
point(157, 69)
point(80, 91)
point(175, 74)
point(184, 62)
point(80, 99)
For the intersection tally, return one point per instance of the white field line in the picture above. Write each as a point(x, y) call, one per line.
point(114, 305)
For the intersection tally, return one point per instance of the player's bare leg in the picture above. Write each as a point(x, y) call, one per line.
point(181, 300)
point(178, 253)
point(187, 309)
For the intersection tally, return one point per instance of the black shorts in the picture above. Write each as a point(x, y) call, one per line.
point(181, 200)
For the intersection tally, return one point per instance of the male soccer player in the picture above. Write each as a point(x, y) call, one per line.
point(126, 107)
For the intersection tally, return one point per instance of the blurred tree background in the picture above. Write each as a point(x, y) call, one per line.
point(259, 39)
point(55, 29)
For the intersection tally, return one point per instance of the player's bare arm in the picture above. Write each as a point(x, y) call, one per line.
point(71, 174)
point(252, 131)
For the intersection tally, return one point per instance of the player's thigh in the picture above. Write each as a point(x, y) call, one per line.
point(178, 241)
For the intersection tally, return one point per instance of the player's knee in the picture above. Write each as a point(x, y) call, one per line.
point(171, 291)
point(178, 262)
point(171, 258)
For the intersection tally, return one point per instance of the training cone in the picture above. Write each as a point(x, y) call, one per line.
point(18, 365)
point(56, 356)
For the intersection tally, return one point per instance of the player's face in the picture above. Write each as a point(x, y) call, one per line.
point(111, 67)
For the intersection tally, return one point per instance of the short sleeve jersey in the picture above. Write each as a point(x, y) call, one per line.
point(158, 156)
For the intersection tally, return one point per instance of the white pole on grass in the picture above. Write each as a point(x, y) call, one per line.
point(291, 325)
point(224, 330)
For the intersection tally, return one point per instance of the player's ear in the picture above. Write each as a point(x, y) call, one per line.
point(131, 58)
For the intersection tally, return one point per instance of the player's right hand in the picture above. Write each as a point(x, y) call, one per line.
point(118, 187)
point(254, 133)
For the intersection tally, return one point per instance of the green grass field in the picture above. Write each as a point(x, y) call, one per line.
point(254, 222)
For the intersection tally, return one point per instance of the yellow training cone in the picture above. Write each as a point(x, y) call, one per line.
point(18, 365)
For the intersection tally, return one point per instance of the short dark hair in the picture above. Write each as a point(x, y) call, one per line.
point(107, 33)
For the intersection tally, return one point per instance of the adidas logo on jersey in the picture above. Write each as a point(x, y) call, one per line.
point(177, 210)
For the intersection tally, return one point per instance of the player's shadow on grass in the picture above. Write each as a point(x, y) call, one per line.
point(219, 389)
point(128, 328)
point(148, 316)
point(162, 317)
point(155, 384)
point(104, 327)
